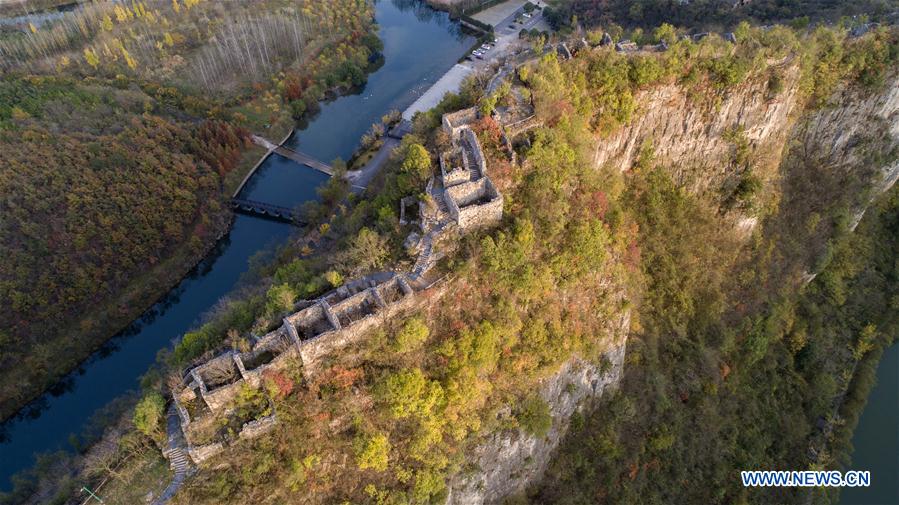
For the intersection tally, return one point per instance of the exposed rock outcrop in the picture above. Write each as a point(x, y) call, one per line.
point(689, 137)
point(507, 462)
point(694, 137)
point(688, 133)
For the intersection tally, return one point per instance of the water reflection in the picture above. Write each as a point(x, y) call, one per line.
point(420, 44)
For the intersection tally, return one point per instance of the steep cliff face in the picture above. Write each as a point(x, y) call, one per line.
point(507, 461)
point(692, 137)
point(858, 133)
point(698, 138)
point(695, 135)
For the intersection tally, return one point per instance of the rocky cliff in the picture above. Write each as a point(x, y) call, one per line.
point(506, 462)
point(697, 139)
point(859, 133)
point(695, 134)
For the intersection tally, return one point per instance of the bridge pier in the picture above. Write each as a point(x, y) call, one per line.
point(266, 210)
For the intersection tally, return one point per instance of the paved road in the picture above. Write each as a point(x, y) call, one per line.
point(359, 179)
point(450, 82)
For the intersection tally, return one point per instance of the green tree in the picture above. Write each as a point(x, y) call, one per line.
point(279, 298)
point(372, 451)
point(534, 416)
point(417, 161)
point(412, 335)
point(410, 393)
point(665, 33)
point(367, 251)
point(148, 414)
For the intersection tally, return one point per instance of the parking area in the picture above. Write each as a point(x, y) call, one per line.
point(506, 32)
point(498, 13)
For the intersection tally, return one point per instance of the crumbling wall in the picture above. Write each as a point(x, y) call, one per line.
point(473, 146)
point(475, 204)
point(258, 427)
point(272, 343)
point(311, 351)
point(201, 453)
point(464, 194)
point(454, 122)
point(221, 394)
point(313, 321)
point(479, 216)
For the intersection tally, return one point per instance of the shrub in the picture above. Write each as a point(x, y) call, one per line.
point(279, 298)
point(409, 393)
point(148, 414)
point(372, 451)
point(412, 335)
point(534, 417)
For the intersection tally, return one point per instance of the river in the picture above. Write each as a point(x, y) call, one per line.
point(876, 438)
point(420, 44)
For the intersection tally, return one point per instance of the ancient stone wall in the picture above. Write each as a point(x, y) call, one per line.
point(201, 453)
point(478, 216)
point(475, 204)
point(464, 194)
point(347, 314)
point(313, 321)
point(471, 145)
point(258, 427)
point(454, 122)
point(311, 351)
point(217, 396)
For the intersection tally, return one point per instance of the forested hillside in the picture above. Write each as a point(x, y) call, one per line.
point(715, 14)
point(712, 390)
point(96, 192)
point(736, 363)
point(123, 128)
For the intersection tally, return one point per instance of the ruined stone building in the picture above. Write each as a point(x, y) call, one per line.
point(464, 198)
point(471, 198)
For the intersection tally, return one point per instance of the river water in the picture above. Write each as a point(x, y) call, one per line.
point(876, 439)
point(420, 44)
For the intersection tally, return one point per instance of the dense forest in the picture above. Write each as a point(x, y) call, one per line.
point(123, 127)
point(713, 14)
point(699, 405)
point(97, 190)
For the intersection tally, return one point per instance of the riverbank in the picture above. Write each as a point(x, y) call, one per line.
point(868, 438)
point(332, 132)
point(10, 8)
point(115, 315)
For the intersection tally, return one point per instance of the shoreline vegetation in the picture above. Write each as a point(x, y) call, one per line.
point(115, 80)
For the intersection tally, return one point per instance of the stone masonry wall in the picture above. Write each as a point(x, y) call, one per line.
point(471, 140)
point(320, 329)
point(478, 216)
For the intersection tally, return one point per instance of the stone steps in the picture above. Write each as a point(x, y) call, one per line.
point(179, 461)
point(421, 264)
